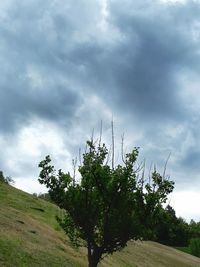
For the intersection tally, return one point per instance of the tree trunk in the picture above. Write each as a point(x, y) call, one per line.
point(94, 256)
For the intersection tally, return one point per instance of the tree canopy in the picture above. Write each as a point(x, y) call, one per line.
point(107, 206)
point(171, 230)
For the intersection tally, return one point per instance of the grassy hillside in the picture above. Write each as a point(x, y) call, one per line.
point(30, 236)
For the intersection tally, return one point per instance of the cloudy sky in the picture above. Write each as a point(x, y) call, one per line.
point(67, 65)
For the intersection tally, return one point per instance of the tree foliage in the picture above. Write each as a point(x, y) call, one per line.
point(109, 205)
point(170, 230)
point(194, 228)
point(194, 246)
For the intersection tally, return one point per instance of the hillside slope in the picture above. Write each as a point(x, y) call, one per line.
point(30, 236)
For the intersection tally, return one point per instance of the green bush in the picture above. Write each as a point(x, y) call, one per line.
point(194, 246)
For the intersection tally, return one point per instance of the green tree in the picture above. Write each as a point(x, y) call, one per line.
point(194, 246)
point(170, 230)
point(194, 229)
point(109, 205)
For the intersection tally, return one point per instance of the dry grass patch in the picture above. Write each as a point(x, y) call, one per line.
point(30, 236)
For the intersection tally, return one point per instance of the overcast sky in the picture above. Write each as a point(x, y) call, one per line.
point(67, 65)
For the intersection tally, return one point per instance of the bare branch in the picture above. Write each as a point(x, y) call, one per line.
point(165, 166)
point(108, 157)
point(143, 171)
point(100, 135)
point(139, 167)
point(86, 146)
point(95, 142)
point(137, 178)
point(74, 164)
point(122, 148)
point(80, 158)
point(113, 145)
point(116, 158)
point(150, 173)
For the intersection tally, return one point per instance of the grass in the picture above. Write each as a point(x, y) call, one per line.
point(30, 236)
point(184, 249)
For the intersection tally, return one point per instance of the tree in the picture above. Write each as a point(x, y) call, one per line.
point(109, 205)
point(194, 246)
point(7, 180)
point(170, 230)
point(194, 229)
point(2, 178)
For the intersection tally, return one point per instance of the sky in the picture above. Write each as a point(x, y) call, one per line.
point(67, 66)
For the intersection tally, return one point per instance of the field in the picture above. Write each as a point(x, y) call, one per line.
point(30, 236)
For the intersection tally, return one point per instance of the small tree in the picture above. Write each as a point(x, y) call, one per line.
point(7, 180)
point(109, 205)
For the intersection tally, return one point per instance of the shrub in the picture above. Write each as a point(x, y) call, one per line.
point(194, 246)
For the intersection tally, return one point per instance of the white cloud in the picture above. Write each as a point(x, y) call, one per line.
point(29, 147)
point(30, 185)
point(186, 204)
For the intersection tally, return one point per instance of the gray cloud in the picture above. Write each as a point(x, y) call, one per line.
point(191, 161)
point(25, 44)
point(19, 105)
point(137, 73)
point(141, 72)
point(72, 65)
